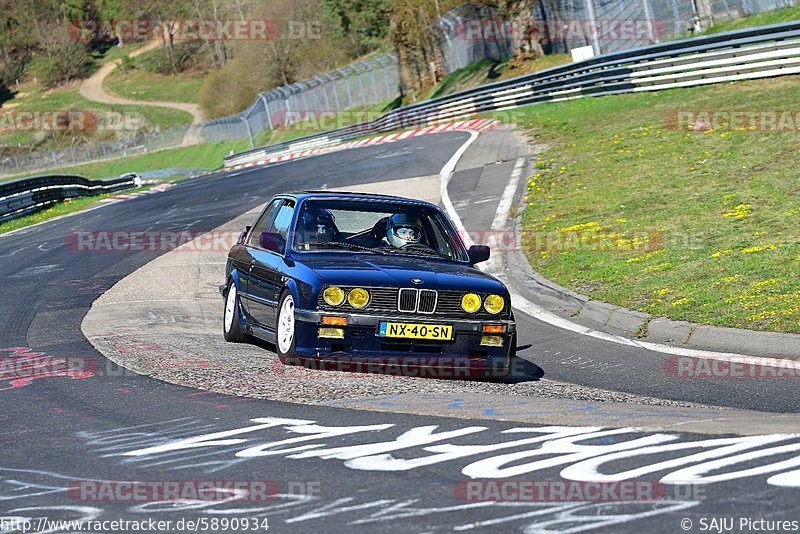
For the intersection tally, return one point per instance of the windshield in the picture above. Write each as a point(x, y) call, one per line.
point(383, 228)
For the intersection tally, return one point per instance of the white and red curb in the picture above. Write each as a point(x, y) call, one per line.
point(473, 125)
point(163, 186)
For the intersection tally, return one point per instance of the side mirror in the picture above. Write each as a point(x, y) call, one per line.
point(272, 241)
point(243, 235)
point(478, 253)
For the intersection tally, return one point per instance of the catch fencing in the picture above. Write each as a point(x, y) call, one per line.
point(363, 84)
point(464, 36)
point(740, 55)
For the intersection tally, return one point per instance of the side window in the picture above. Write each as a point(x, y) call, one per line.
point(283, 219)
point(262, 222)
point(442, 243)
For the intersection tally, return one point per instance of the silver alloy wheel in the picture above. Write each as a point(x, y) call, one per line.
point(286, 325)
point(230, 307)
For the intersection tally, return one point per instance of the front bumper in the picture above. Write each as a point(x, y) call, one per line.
point(362, 345)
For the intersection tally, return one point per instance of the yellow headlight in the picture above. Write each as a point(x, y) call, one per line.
point(333, 295)
point(471, 303)
point(358, 298)
point(494, 304)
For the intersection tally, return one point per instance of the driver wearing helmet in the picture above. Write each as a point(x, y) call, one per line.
point(402, 230)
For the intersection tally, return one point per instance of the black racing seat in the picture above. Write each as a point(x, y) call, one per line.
point(379, 229)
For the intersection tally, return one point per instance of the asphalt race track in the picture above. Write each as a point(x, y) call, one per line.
point(78, 424)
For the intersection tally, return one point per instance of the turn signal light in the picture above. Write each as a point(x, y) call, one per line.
point(493, 329)
point(334, 320)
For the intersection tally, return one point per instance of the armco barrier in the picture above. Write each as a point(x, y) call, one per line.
point(751, 53)
point(26, 195)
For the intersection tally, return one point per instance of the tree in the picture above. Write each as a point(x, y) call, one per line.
point(65, 57)
point(363, 23)
point(16, 42)
point(302, 48)
point(415, 44)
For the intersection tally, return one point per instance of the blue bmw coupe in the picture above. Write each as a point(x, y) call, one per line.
point(361, 278)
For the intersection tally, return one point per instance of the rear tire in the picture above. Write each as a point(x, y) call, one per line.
point(231, 320)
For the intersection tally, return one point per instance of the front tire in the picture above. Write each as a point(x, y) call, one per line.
point(508, 369)
point(285, 330)
point(231, 320)
point(512, 356)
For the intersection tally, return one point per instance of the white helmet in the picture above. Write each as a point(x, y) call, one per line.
point(403, 229)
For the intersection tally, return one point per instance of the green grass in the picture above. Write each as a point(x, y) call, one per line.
point(692, 224)
point(776, 16)
point(72, 205)
point(463, 77)
point(116, 52)
point(205, 156)
point(68, 98)
point(488, 71)
point(320, 124)
point(208, 155)
point(142, 85)
point(56, 210)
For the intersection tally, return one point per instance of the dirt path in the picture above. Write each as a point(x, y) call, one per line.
point(92, 89)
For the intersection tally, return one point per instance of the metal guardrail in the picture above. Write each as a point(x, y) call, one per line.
point(751, 53)
point(26, 195)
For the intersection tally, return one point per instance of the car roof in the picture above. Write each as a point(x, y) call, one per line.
point(352, 195)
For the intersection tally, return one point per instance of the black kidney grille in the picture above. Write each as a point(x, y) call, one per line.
point(427, 301)
point(407, 300)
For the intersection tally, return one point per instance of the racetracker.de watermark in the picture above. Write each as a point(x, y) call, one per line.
point(499, 240)
point(443, 367)
point(177, 30)
point(70, 121)
point(754, 120)
point(581, 31)
point(150, 240)
point(733, 367)
point(172, 490)
point(19, 366)
point(312, 119)
point(515, 490)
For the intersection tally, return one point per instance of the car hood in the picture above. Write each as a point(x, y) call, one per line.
point(399, 271)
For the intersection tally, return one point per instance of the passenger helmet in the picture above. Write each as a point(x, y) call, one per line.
point(318, 225)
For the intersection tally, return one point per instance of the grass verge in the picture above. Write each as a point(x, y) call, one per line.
point(32, 98)
point(787, 14)
point(205, 156)
point(630, 206)
point(143, 85)
point(56, 210)
point(317, 123)
point(488, 71)
point(70, 206)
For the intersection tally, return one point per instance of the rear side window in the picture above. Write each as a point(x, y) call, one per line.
point(262, 222)
point(284, 219)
